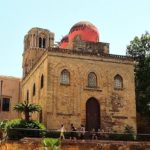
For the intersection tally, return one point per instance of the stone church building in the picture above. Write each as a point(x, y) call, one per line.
point(78, 81)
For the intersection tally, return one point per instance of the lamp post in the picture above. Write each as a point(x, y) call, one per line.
point(1, 87)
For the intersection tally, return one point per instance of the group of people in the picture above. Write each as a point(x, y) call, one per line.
point(79, 133)
point(73, 131)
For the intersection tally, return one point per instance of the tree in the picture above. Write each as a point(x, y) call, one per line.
point(139, 47)
point(27, 109)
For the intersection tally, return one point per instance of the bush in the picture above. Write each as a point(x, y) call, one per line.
point(18, 123)
point(52, 134)
point(3, 133)
point(17, 129)
point(128, 134)
point(123, 137)
point(51, 143)
point(3, 124)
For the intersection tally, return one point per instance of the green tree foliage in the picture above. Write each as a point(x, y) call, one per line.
point(139, 47)
point(27, 109)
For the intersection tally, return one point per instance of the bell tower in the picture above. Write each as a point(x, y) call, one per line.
point(36, 42)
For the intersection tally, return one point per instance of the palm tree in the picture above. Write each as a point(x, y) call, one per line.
point(27, 109)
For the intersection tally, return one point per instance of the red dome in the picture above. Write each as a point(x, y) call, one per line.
point(85, 30)
point(64, 42)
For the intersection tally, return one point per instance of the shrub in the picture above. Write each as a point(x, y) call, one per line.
point(3, 133)
point(123, 137)
point(18, 123)
point(3, 124)
point(52, 134)
point(127, 135)
point(17, 129)
point(51, 143)
point(129, 130)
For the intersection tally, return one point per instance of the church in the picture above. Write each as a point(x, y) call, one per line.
point(78, 81)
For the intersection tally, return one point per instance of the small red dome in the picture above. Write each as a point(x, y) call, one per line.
point(64, 42)
point(85, 30)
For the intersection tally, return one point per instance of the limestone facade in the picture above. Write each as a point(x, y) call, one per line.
point(10, 95)
point(67, 103)
point(59, 80)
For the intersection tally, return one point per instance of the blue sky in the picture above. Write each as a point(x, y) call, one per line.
point(118, 22)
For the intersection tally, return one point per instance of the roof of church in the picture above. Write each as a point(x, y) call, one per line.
point(85, 23)
point(84, 31)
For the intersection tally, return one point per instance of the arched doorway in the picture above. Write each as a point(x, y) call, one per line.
point(92, 114)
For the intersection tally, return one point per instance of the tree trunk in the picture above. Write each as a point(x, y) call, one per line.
point(27, 116)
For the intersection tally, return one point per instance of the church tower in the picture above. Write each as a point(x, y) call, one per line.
point(36, 42)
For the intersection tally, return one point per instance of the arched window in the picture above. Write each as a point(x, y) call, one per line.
point(42, 81)
point(40, 42)
point(92, 79)
point(65, 77)
point(34, 90)
point(118, 82)
point(44, 42)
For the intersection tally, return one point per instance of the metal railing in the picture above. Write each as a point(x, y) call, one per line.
point(19, 133)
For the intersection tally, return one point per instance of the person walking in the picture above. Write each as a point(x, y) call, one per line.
point(62, 130)
point(73, 132)
point(82, 131)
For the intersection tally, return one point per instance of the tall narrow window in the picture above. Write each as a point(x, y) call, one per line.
point(42, 81)
point(44, 42)
point(40, 116)
point(92, 79)
point(5, 104)
point(65, 77)
point(27, 95)
point(40, 42)
point(34, 89)
point(118, 82)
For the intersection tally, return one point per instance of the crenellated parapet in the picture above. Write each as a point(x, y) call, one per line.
point(90, 53)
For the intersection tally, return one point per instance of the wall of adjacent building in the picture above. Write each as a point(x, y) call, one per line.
point(10, 88)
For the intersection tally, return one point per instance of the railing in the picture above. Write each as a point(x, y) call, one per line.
point(19, 133)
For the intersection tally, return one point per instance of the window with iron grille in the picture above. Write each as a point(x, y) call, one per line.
point(92, 79)
point(65, 77)
point(118, 82)
point(5, 104)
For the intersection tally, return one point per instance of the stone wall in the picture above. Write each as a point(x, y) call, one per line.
point(10, 89)
point(30, 144)
point(66, 103)
point(40, 96)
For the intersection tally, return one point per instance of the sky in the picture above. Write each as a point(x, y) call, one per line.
point(118, 22)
